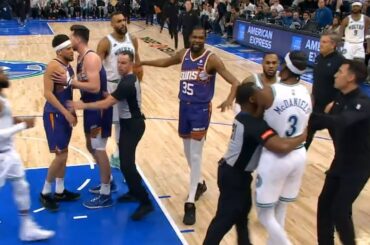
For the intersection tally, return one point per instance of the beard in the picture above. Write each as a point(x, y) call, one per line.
point(196, 48)
point(121, 31)
point(4, 84)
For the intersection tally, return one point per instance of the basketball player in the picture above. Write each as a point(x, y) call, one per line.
point(92, 82)
point(108, 49)
point(11, 167)
point(58, 123)
point(288, 107)
point(198, 75)
point(355, 29)
point(270, 64)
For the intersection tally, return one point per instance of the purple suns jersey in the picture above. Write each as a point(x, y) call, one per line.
point(88, 96)
point(62, 95)
point(196, 85)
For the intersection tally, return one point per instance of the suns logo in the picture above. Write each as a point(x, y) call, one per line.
point(22, 69)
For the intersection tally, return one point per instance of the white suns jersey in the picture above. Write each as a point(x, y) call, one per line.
point(6, 121)
point(110, 62)
point(355, 30)
point(290, 110)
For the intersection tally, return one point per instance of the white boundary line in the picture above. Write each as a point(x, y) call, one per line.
point(80, 217)
point(88, 158)
point(51, 29)
point(164, 210)
point(84, 184)
point(38, 210)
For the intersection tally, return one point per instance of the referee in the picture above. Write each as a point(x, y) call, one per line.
point(128, 97)
point(327, 64)
point(236, 167)
point(349, 125)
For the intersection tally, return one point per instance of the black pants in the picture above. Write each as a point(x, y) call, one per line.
point(311, 131)
point(335, 209)
point(172, 28)
point(233, 207)
point(186, 36)
point(131, 132)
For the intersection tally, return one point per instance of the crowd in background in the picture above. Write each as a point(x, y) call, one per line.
point(216, 16)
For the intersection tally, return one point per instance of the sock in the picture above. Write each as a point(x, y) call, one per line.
point(59, 185)
point(196, 149)
point(46, 189)
point(276, 233)
point(186, 143)
point(280, 212)
point(117, 129)
point(25, 217)
point(105, 189)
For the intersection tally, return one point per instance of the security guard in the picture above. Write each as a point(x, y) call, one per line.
point(188, 20)
point(236, 167)
point(348, 122)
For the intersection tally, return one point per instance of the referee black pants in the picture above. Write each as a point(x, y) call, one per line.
point(130, 134)
point(334, 209)
point(233, 207)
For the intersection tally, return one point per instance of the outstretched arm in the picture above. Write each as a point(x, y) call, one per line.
point(166, 62)
point(216, 64)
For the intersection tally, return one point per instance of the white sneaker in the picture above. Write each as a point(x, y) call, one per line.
point(30, 231)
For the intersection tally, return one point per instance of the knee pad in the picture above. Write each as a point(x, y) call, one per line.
point(98, 143)
point(21, 194)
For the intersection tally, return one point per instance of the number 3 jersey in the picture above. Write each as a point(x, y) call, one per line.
point(196, 85)
point(290, 110)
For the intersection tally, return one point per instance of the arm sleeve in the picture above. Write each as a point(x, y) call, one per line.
point(124, 88)
point(6, 133)
point(260, 130)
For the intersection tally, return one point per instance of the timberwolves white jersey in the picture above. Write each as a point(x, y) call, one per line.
point(355, 30)
point(290, 110)
point(258, 79)
point(6, 121)
point(110, 62)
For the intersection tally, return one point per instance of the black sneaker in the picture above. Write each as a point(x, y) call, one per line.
point(66, 196)
point(201, 188)
point(189, 216)
point(48, 202)
point(127, 197)
point(142, 211)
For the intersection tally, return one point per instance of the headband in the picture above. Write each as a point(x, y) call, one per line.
point(62, 45)
point(291, 67)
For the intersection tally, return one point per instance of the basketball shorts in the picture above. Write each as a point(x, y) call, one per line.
point(98, 122)
point(58, 131)
point(111, 87)
point(353, 51)
point(10, 166)
point(194, 120)
point(279, 176)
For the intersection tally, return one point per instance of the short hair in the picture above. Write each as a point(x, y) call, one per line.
point(81, 31)
point(198, 27)
point(334, 37)
point(129, 53)
point(244, 91)
point(270, 53)
point(116, 13)
point(59, 39)
point(358, 68)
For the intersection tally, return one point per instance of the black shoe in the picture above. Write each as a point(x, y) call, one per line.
point(201, 188)
point(127, 197)
point(66, 196)
point(49, 202)
point(189, 216)
point(142, 211)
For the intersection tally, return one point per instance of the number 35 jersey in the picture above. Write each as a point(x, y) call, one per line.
point(196, 85)
point(290, 110)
